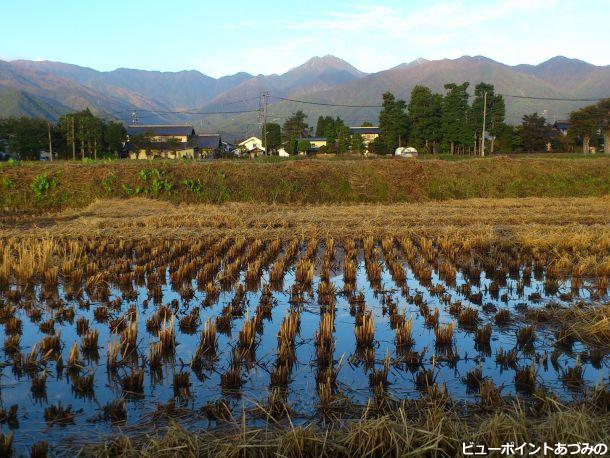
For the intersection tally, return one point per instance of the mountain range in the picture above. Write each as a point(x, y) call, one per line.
point(227, 104)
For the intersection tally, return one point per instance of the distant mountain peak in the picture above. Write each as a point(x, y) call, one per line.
point(324, 63)
point(563, 60)
point(413, 63)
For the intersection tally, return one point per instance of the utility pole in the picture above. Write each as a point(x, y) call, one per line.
point(262, 116)
point(484, 116)
point(265, 123)
point(73, 141)
point(50, 144)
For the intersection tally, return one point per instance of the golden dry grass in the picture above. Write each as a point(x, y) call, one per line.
point(417, 429)
point(310, 181)
point(566, 235)
point(504, 219)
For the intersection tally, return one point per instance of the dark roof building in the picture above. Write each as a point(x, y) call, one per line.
point(162, 130)
point(206, 142)
point(364, 130)
point(562, 126)
point(312, 139)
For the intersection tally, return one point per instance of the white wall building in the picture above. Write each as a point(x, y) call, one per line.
point(251, 143)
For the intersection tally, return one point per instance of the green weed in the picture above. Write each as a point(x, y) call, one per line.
point(42, 184)
point(195, 186)
point(108, 181)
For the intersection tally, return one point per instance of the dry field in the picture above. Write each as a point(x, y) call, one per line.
point(295, 330)
point(34, 187)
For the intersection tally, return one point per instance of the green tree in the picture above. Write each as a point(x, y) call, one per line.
point(173, 143)
point(303, 146)
point(534, 133)
point(494, 114)
point(330, 131)
point(425, 116)
point(604, 119)
point(274, 135)
point(393, 122)
point(366, 124)
point(115, 136)
point(357, 145)
point(343, 138)
point(25, 136)
point(378, 147)
point(142, 141)
point(320, 126)
point(294, 127)
point(455, 127)
point(87, 131)
point(506, 138)
point(584, 124)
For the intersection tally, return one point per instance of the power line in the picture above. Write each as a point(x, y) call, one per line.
point(326, 104)
point(240, 101)
point(307, 102)
point(557, 99)
point(198, 112)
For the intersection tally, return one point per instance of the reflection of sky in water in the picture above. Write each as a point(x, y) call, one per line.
point(352, 378)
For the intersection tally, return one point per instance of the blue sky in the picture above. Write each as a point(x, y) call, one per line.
point(219, 38)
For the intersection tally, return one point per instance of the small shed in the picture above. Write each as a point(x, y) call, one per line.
point(407, 151)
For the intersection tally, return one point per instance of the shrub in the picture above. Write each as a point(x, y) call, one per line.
point(145, 174)
point(157, 185)
point(195, 186)
point(107, 182)
point(42, 184)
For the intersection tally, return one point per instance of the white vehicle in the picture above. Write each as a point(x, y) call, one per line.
point(406, 151)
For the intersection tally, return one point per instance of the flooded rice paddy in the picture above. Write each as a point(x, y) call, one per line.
point(116, 334)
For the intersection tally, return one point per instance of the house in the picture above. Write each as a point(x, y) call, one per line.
point(46, 156)
point(250, 144)
point(163, 133)
point(171, 142)
point(368, 134)
point(315, 142)
point(562, 127)
point(208, 145)
point(160, 150)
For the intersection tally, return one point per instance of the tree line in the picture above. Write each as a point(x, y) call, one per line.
point(295, 135)
point(77, 135)
point(587, 122)
point(433, 122)
point(450, 123)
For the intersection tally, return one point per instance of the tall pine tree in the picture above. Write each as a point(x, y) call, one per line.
point(393, 122)
point(294, 127)
point(494, 116)
point(455, 126)
point(425, 113)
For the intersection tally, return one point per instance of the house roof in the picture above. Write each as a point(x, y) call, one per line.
point(163, 146)
point(364, 130)
point(313, 139)
point(209, 141)
point(162, 130)
point(250, 139)
point(563, 125)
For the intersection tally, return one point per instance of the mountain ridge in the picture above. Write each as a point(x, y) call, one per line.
point(49, 88)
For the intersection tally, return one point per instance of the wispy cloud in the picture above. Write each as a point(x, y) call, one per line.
point(434, 18)
point(376, 36)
